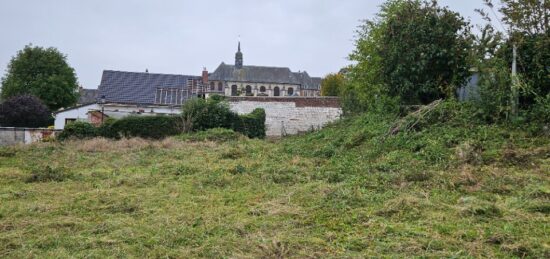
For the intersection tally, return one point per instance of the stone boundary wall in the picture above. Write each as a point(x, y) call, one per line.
point(290, 115)
point(12, 136)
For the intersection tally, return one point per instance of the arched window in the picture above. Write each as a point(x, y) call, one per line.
point(234, 90)
point(290, 91)
point(276, 91)
point(262, 89)
point(248, 90)
point(220, 86)
point(212, 86)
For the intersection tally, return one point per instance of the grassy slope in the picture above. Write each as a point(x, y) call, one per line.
point(447, 189)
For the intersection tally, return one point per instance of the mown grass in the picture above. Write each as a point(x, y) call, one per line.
point(443, 189)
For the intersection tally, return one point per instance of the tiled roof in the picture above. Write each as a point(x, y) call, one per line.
point(137, 87)
point(278, 75)
point(87, 96)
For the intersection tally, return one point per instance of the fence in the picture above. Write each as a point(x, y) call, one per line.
point(13, 136)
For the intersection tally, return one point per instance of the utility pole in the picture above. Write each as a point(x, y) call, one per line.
point(515, 84)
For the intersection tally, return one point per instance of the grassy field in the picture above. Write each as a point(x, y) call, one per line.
point(443, 189)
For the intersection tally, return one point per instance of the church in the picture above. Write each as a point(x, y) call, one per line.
point(243, 80)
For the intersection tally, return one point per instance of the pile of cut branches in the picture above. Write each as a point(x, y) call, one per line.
point(412, 119)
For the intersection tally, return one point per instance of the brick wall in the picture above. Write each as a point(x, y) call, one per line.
point(290, 115)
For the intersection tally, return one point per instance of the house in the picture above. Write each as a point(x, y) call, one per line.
point(132, 93)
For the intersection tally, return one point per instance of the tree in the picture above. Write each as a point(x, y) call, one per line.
point(43, 73)
point(24, 111)
point(527, 24)
point(530, 17)
point(414, 50)
point(332, 85)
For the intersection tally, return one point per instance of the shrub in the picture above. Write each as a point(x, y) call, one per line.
point(106, 129)
point(150, 127)
point(78, 130)
point(199, 114)
point(251, 125)
point(24, 111)
point(215, 134)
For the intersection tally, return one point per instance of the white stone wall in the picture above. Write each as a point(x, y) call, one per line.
point(286, 118)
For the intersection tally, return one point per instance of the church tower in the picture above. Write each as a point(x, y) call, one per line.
point(239, 57)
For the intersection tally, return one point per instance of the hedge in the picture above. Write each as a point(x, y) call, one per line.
point(197, 115)
point(251, 125)
point(151, 127)
point(78, 130)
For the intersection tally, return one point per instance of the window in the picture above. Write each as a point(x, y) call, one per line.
point(175, 96)
point(220, 86)
point(248, 90)
point(290, 91)
point(276, 91)
point(212, 86)
point(262, 89)
point(234, 91)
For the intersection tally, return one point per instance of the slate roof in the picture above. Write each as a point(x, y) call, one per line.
point(137, 87)
point(87, 96)
point(317, 82)
point(259, 74)
point(307, 82)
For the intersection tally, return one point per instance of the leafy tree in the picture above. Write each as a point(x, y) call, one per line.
point(527, 29)
point(332, 85)
point(24, 111)
point(414, 50)
point(530, 17)
point(44, 73)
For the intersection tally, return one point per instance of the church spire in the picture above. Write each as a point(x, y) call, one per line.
point(239, 57)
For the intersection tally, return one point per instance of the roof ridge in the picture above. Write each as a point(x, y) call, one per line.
point(148, 73)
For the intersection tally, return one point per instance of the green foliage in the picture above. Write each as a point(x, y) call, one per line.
point(214, 134)
point(414, 50)
point(532, 65)
point(529, 17)
point(199, 114)
point(43, 73)
point(24, 111)
point(78, 130)
point(332, 85)
point(150, 127)
point(106, 129)
point(251, 125)
point(493, 52)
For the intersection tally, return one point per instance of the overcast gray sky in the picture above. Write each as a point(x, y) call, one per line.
point(182, 36)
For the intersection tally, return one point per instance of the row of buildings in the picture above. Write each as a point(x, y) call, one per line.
point(121, 93)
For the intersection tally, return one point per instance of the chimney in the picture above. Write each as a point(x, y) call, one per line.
point(204, 76)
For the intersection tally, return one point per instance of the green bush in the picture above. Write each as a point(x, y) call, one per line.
point(215, 134)
point(78, 130)
point(199, 114)
point(251, 125)
point(151, 127)
point(106, 129)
